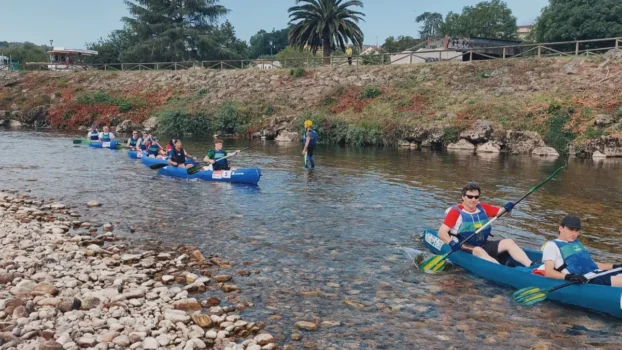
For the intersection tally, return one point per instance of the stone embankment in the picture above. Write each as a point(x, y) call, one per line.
point(69, 284)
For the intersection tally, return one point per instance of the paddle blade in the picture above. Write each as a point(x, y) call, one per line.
point(529, 296)
point(433, 264)
point(77, 142)
point(158, 166)
point(195, 169)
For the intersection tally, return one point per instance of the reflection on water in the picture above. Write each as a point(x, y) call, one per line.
point(329, 241)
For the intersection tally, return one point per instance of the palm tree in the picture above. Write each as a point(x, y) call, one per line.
point(326, 24)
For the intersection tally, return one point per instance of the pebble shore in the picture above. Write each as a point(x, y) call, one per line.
point(70, 284)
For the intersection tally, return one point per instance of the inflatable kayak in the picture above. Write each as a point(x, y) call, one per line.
point(99, 144)
point(135, 154)
point(246, 176)
point(595, 297)
point(148, 161)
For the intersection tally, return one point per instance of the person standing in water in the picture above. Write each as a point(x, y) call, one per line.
point(310, 140)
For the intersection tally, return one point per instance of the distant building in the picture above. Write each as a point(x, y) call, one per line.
point(68, 59)
point(267, 64)
point(524, 31)
point(5, 63)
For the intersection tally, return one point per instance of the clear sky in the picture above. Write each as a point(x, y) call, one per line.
point(72, 23)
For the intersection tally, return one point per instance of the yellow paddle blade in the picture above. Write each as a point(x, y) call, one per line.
point(521, 293)
point(433, 264)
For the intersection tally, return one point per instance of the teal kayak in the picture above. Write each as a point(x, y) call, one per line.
point(595, 297)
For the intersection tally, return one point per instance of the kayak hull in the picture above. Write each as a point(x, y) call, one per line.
point(599, 298)
point(246, 176)
point(99, 144)
point(147, 161)
point(135, 154)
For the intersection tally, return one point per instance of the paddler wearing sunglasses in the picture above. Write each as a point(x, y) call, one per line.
point(464, 219)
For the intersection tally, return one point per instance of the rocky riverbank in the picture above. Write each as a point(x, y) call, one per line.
point(571, 104)
point(69, 284)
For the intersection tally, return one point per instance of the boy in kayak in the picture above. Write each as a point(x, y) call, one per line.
point(132, 142)
point(106, 135)
point(214, 157)
point(566, 258)
point(464, 219)
point(93, 134)
point(177, 156)
point(310, 139)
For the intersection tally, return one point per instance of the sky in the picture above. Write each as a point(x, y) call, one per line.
point(72, 23)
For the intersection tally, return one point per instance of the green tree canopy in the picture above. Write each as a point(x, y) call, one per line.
point(400, 44)
point(431, 24)
point(167, 31)
point(488, 19)
point(325, 24)
point(565, 20)
point(25, 52)
point(260, 42)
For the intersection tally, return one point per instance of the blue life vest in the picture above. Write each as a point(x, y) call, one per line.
point(471, 223)
point(142, 144)
point(220, 164)
point(576, 258)
point(313, 141)
point(153, 149)
point(93, 136)
point(133, 142)
point(105, 137)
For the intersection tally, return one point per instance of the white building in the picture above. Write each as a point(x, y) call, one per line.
point(5, 63)
point(267, 64)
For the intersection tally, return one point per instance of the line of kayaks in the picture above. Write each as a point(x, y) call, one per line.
point(245, 176)
point(595, 297)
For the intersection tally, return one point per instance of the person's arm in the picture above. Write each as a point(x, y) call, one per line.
point(100, 135)
point(550, 272)
point(443, 233)
point(492, 211)
point(128, 142)
point(209, 158)
point(308, 140)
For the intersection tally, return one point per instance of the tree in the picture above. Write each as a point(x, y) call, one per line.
point(290, 57)
point(230, 45)
point(431, 23)
point(325, 24)
point(564, 20)
point(260, 42)
point(25, 52)
point(402, 43)
point(167, 31)
point(491, 19)
point(488, 20)
point(111, 49)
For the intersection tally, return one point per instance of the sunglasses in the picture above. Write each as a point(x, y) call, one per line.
point(471, 197)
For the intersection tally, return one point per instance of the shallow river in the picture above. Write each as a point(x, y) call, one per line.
point(329, 242)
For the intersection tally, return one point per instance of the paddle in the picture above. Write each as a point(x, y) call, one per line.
point(80, 141)
point(437, 262)
point(532, 295)
point(197, 167)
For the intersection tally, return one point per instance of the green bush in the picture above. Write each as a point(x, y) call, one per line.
point(269, 110)
point(176, 123)
point(202, 92)
point(557, 135)
point(619, 112)
point(370, 92)
point(297, 72)
point(229, 119)
point(451, 134)
point(102, 98)
point(593, 132)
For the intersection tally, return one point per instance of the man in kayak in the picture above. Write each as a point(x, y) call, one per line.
point(133, 141)
point(93, 134)
point(464, 219)
point(177, 156)
point(214, 157)
point(310, 139)
point(106, 135)
point(566, 258)
point(155, 150)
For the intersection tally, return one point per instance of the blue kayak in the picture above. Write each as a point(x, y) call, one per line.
point(99, 144)
point(595, 297)
point(150, 161)
point(136, 154)
point(246, 176)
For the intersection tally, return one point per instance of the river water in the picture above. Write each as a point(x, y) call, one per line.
point(336, 243)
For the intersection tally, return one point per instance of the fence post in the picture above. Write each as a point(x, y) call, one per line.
point(617, 44)
point(122, 67)
point(539, 51)
point(470, 55)
point(576, 49)
point(221, 65)
point(411, 58)
point(504, 51)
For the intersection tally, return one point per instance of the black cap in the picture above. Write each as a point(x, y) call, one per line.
point(571, 222)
